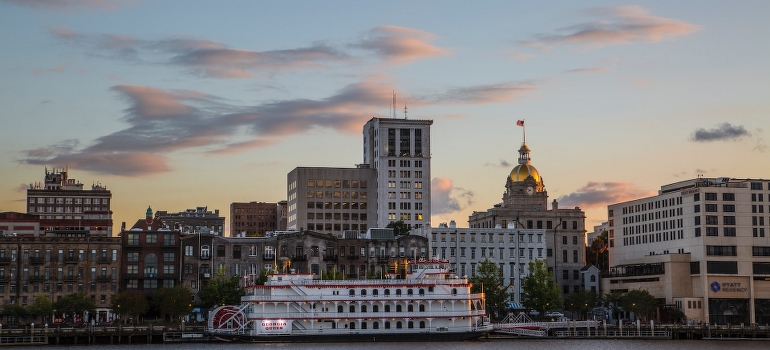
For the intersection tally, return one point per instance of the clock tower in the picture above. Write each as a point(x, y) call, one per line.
point(524, 187)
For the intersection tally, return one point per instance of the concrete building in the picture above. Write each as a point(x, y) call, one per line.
point(700, 244)
point(399, 150)
point(331, 200)
point(62, 203)
point(525, 205)
point(598, 229)
point(193, 221)
point(254, 218)
point(512, 249)
point(56, 264)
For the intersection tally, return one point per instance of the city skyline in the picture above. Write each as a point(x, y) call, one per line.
point(177, 105)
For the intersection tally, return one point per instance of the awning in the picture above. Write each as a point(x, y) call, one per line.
point(515, 306)
point(196, 310)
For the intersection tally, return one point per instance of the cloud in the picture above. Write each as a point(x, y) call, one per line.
point(589, 70)
point(601, 194)
point(400, 44)
point(494, 93)
point(522, 57)
point(721, 132)
point(616, 25)
point(22, 188)
point(503, 164)
point(71, 5)
point(445, 197)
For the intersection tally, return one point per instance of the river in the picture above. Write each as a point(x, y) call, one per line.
point(517, 344)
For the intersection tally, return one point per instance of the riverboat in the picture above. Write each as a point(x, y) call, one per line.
point(426, 304)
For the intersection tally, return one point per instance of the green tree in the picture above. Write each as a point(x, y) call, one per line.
point(612, 302)
point(640, 302)
point(14, 312)
point(221, 291)
point(581, 302)
point(489, 277)
point(539, 290)
point(42, 307)
point(399, 227)
point(332, 275)
point(130, 304)
point(173, 302)
point(76, 304)
point(597, 253)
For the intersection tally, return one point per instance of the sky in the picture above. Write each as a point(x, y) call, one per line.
point(183, 104)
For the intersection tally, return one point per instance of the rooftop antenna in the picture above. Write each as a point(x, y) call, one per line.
point(405, 116)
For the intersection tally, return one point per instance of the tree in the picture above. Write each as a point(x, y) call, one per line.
point(490, 278)
point(581, 302)
point(640, 302)
point(14, 312)
point(612, 301)
point(332, 275)
point(42, 307)
point(597, 253)
point(399, 227)
point(131, 304)
point(173, 302)
point(76, 304)
point(221, 291)
point(538, 290)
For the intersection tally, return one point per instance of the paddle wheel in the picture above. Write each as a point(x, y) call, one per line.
point(228, 320)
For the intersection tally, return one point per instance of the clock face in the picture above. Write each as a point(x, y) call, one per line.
point(530, 190)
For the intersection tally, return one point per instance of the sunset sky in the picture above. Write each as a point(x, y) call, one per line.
point(180, 104)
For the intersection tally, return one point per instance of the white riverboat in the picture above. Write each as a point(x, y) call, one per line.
point(429, 304)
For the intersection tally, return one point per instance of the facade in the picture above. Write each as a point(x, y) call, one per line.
point(254, 218)
point(194, 221)
point(512, 249)
point(701, 244)
point(56, 264)
point(525, 204)
point(62, 203)
point(399, 150)
point(331, 200)
point(598, 229)
point(591, 277)
point(151, 256)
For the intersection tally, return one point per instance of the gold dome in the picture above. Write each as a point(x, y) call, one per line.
point(522, 171)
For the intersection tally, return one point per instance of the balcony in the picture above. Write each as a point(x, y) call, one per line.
point(104, 278)
point(71, 260)
point(5, 260)
point(205, 256)
point(105, 260)
point(299, 258)
point(328, 257)
point(36, 260)
point(35, 278)
point(352, 257)
point(268, 257)
point(71, 278)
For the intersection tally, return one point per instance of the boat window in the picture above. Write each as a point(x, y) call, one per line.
point(376, 325)
point(363, 308)
point(339, 308)
point(352, 325)
point(422, 324)
point(387, 325)
point(375, 292)
point(422, 291)
point(410, 308)
point(375, 308)
point(398, 308)
point(363, 291)
point(352, 292)
point(422, 308)
point(387, 308)
point(409, 292)
point(363, 325)
point(454, 291)
point(387, 292)
point(398, 291)
point(398, 325)
point(352, 308)
point(410, 324)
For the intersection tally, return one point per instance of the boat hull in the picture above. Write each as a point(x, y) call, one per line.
point(354, 337)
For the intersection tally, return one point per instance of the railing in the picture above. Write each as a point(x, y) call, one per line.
point(331, 315)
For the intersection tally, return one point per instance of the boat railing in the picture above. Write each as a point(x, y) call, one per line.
point(401, 282)
point(458, 314)
point(362, 298)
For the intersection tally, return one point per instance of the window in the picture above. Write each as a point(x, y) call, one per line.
point(711, 208)
point(151, 238)
point(712, 231)
point(728, 208)
point(725, 267)
point(133, 257)
point(220, 251)
point(718, 250)
point(133, 239)
point(710, 196)
point(168, 257)
point(728, 196)
point(188, 250)
point(729, 220)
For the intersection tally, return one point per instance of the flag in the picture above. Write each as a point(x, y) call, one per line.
point(520, 122)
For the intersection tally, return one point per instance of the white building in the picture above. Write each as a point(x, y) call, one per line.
point(700, 244)
point(511, 248)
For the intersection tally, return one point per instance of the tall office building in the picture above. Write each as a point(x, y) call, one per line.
point(701, 244)
point(254, 219)
point(399, 151)
point(63, 204)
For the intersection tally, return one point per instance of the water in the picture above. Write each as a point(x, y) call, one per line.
point(507, 344)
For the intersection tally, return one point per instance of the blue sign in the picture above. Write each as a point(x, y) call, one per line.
point(715, 287)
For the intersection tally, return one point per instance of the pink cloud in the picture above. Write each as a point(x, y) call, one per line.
point(618, 25)
point(71, 5)
point(445, 198)
point(600, 194)
point(400, 44)
point(152, 103)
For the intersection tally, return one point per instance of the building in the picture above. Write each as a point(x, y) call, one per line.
point(700, 244)
point(331, 200)
point(194, 221)
point(254, 218)
point(525, 203)
point(598, 229)
point(151, 256)
point(56, 264)
point(512, 249)
point(62, 204)
point(399, 151)
point(394, 176)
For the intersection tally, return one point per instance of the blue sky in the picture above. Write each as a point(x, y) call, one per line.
point(179, 104)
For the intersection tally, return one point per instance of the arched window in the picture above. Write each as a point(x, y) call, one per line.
point(454, 291)
point(352, 325)
point(363, 308)
point(375, 308)
point(352, 308)
point(593, 278)
point(387, 292)
point(398, 291)
point(339, 308)
point(363, 325)
point(398, 308)
point(376, 325)
point(352, 292)
point(363, 292)
point(422, 324)
point(398, 325)
point(410, 324)
point(375, 292)
point(422, 308)
point(387, 308)
point(409, 292)
point(387, 324)
point(422, 292)
point(410, 308)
